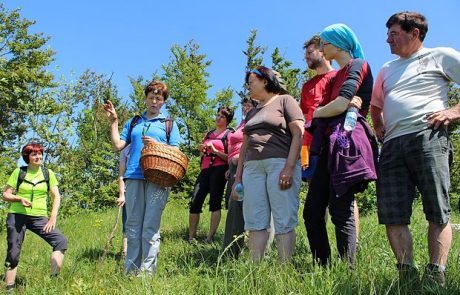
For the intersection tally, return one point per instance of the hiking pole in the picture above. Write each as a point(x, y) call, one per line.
point(112, 234)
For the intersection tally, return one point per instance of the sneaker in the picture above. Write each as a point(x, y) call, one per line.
point(409, 280)
point(10, 288)
point(434, 275)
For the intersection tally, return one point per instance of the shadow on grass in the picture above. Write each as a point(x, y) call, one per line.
point(95, 254)
point(389, 286)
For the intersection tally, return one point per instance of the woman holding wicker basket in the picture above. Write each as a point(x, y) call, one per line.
point(145, 200)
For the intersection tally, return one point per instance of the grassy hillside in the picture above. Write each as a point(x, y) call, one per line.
point(199, 269)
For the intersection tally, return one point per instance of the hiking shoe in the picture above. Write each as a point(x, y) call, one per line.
point(10, 289)
point(434, 275)
point(409, 280)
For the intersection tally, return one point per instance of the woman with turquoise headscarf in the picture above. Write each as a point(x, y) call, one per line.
point(335, 182)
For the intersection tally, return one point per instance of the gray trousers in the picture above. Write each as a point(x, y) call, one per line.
point(234, 225)
point(145, 202)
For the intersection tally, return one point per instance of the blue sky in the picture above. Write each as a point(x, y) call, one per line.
point(132, 38)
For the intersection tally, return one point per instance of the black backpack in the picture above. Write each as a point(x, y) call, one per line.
point(22, 177)
point(168, 123)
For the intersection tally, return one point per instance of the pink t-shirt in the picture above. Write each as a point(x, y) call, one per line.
point(235, 141)
point(216, 140)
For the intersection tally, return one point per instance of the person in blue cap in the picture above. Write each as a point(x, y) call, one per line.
point(336, 179)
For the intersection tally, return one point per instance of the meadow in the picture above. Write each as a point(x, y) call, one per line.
point(202, 269)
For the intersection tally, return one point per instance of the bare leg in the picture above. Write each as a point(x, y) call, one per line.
point(439, 242)
point(257, 244)
point(400, 240)
point(286, 244)
point(193, 220)
point(271, 233)
point(124, 245)
point(357, 220)
point(215, 220)
point(57, 258)
point(10, 276)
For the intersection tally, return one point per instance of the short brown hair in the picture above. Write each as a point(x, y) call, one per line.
point(30, 148)
point(315, 40)
point(409, 21)
point(157, 87)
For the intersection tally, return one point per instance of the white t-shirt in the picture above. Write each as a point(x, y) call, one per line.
point(407, 89)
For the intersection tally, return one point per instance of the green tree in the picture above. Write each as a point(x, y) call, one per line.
point(292, 76)
point(24, 78)
point(254, 57)
point(90, 164)
point(187, 78)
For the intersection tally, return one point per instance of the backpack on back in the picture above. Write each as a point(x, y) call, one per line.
point(22, 177)
point(168, 124)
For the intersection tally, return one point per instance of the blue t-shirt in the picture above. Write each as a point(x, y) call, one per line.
point(155, 128)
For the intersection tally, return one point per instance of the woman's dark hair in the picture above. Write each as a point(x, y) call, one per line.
point(249, 100)
point(30, 148)
point(275, 83)
point(227, 112)
point(157, 87)
point(408, 22)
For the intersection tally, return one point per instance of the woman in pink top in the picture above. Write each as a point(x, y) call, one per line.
point(234, 225)
point(212, 176)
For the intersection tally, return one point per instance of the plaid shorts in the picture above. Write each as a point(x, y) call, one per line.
point(417, 160)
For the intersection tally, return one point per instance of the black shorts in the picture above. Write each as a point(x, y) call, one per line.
point(211, 180)
point(16, 225)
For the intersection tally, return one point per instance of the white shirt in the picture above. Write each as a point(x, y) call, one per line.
point(407, 89)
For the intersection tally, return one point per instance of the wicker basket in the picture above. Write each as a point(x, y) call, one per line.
point(163, 164)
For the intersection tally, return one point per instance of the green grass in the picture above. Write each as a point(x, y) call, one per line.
point(199, 269)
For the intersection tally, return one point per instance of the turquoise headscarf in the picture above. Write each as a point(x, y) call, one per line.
point(341, 36)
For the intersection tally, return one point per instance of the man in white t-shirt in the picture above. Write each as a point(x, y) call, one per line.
point(410, 114)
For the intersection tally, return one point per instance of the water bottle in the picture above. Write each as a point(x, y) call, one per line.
point(350, 119)
point(239, 191)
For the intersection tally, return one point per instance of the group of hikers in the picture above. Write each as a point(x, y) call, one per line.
point(278, 143)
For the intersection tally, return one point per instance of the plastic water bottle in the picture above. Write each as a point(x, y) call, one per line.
point(350, 119)
point(239, 191)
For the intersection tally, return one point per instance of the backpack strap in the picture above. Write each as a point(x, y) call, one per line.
point(225, 139)
point(46, 176)
point(133, 123)
point(22, 177)
point(168, 124)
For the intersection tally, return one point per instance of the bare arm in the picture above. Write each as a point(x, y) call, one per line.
point(121, 183)
point(218, 153)
point(56, 196)
point(445, 117)
point(239, 167)
point(377, 120)
point(112, 116)
point(9, 196)
point(337, 107)
point(286, 176)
